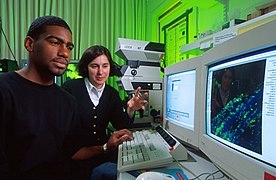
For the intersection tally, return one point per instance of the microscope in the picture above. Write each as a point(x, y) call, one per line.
point(142, 69)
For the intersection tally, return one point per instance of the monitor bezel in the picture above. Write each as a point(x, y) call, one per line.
point(234, 163)
point(186, 135)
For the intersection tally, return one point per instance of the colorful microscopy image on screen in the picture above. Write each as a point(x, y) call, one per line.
point(237, 95)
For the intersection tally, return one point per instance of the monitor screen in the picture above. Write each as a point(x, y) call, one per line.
point(180, 98)
point(181, 102)
point(241, 109)
point(239, 122)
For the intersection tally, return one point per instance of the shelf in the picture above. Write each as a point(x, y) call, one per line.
point(199, 46)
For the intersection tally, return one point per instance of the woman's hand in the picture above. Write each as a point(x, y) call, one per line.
point(137, 102)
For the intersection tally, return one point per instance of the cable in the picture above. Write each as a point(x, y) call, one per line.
point(1, 30)
point(223, 174)
point(179, 164)
point(210, 176)
point(197, 177)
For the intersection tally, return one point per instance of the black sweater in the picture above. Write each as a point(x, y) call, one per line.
point(39, 129)
point(95, 119)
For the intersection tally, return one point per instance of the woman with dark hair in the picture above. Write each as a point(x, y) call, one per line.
point(99, 104)
point(225, 92)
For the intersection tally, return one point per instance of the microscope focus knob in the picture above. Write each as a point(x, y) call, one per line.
point(133, 72)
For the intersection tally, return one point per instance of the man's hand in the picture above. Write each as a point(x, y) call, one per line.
point(118, 137)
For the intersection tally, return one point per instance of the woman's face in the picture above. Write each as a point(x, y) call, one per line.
point(98, 71)
point(226, 80)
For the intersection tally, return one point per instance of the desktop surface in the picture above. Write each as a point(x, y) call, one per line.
point(151, 148)
point(196, 165)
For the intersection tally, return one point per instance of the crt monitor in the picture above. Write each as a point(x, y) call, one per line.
point(181, 100)
point(239, 126)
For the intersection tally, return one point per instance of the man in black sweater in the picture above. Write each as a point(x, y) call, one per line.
point(39, 122)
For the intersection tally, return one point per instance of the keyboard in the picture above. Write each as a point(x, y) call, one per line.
point(149, 149)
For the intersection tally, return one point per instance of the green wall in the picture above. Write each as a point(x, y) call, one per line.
point(210, 16)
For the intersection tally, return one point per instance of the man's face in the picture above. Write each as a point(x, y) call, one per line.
point(51, 52)
point(98, 71)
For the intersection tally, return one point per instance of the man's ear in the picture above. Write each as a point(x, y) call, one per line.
point(29, 43)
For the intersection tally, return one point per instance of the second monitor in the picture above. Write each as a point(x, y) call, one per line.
point(182, 100)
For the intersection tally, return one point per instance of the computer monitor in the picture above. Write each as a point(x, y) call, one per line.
point(182, 100)
point(238, 129)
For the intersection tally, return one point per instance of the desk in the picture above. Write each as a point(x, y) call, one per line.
point(195, 164)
